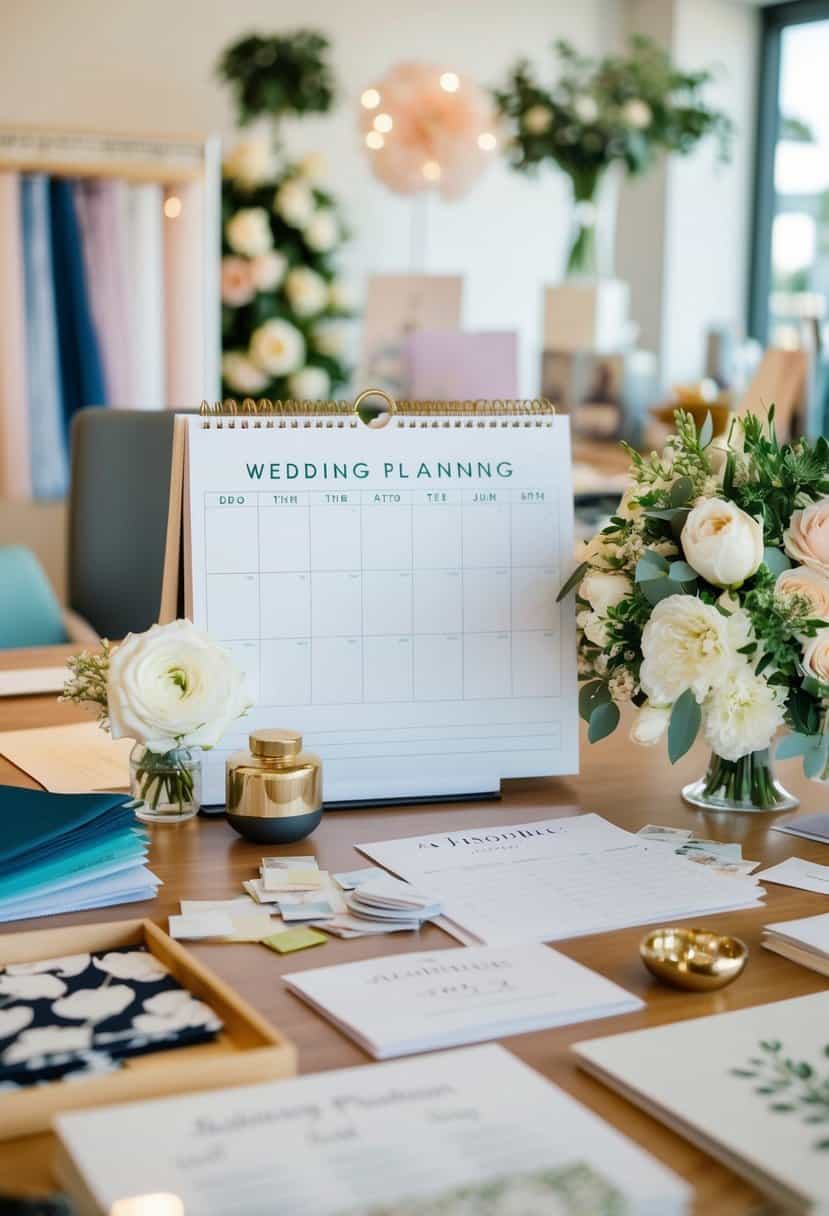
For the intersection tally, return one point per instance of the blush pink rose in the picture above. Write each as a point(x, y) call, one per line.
point(807, 537)
point(238, 286)
point(809, 585)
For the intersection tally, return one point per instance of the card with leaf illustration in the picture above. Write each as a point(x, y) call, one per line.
point(751, 1087)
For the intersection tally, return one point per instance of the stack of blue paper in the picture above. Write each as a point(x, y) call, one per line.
point(67, 852)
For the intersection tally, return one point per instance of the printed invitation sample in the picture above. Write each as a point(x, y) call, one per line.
point(419, 1002)
point(556, 878)
point(464, 1131)
point(750, 1087)
point(394, 591)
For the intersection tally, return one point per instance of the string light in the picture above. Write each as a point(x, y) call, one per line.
point(450, 82)
point(370, 99)
point(431, 171)
point(487, 141)
point(172, 207)
point(374, 140)
point(383, 123)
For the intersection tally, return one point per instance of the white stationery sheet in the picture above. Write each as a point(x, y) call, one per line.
point(444, 998)
point(556, 878)
point(724, 1082)
point(800, 873)
point(804, 941)
point(31, 681)
point(392, 593)
point(365, 1140)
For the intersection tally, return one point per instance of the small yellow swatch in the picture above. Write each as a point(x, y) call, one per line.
point(294, 939)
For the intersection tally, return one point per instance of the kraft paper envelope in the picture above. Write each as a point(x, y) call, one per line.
point(69, 759)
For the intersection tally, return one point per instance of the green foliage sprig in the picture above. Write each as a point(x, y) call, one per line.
point(278, 76)
point(791, 1087)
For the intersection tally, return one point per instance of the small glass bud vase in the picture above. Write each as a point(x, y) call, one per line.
point(166, 786)
point(743, 785)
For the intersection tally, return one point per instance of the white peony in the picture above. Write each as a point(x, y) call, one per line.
point(313, 166)
point(310, 384)
point(742, 713)
point(330, 337)
point(242, 374)
point(603, 591)
point(173, 686)
point(722, 543)
point(686, 644)
point(586, 108)
point(650, 724)
point(294, 202)
point(251, 163)
point(277, 347)
point(307, 291)
point(322, 232)
point(537, 120)
point(249, 232)
point(637, 114)
point(268, 270)
point(340, 296)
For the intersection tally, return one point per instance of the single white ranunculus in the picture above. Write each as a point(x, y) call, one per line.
point(249, 232)
point(330, 337)
point(603, 591)
point(251, 163)
point(650, 724)
point(637, 113)
point(309, 384)
point(294, 202)
point(816, 656)
point(537, 120)
point(807, 537)
point(742, 713)
point(277, 347)
point(685, 644)
point(242, 374)
point(173, 687)
point(722, 543)
point(268, 270)
point(586, 108)
point(307, 291)
point(322, 231)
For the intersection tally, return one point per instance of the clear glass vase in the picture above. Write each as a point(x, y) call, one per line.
point(595, 208)
point(742, 785)
point(166, 786)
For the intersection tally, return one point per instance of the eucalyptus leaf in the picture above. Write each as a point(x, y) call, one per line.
point(706, 431)
point(681, 492)
point(651, 565)
point(573, 581)
point(794, 744)
point(656, 589)
point(681, 572)
point(814, 761)
point(592, 694)
point(683, 728)
point(775, 560)
point(603, 721)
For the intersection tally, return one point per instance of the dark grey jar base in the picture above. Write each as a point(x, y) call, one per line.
point(282, 830)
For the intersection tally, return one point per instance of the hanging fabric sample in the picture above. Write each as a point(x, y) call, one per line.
point(101, 211)
point(146, 306)
point(15, 473)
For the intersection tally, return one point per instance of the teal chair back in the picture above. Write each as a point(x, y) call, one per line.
point(30, 614)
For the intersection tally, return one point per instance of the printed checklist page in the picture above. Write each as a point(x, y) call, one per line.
point(392, 594)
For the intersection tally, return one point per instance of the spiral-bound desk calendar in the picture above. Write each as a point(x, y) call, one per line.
point(388, 584)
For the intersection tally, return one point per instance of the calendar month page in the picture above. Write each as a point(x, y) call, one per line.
point(391, 593)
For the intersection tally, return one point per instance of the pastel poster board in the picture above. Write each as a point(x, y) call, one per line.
point(397, 306)
point(392, 594)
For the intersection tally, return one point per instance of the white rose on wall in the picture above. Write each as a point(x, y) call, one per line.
point(742, 713)
point(277, 347)
point(537, 120)
point(313, 166)
point(249, 232)
point(310, 384)
point(686, 644)
point(242, 374)
point(307, 291)
point(586, 108)
point(173, 687)
point(330, 337)
point(268, 270)
point(722, 543)
point(637, 114)
point(322, 232)
point(294, 202)
point(340, 296)
point(807, 537)
point(251, 162)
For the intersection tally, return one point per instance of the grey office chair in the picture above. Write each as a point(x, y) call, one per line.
point(118, 517)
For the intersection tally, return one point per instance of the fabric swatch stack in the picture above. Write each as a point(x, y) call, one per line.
point(68, 852)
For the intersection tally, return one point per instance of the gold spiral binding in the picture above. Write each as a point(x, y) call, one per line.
point(267, 414)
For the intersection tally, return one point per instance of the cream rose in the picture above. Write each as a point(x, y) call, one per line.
point(249, 232)
point(816, 657)
point(637, 113)
point(173, 686)
point(603, 591)
point(340, 296)
point(268, 270)
point(310, 384)
point(313, 166)
point(251, 162)
point(306, 290)
point(722, 543)
point(742, 714)
point(294, 202)
point(537, 119)
point(586, 108)
point(686, 644)
point(330, 337)
point(809, 585)
point(277, 347)
point(807, 537)
point(650, 724)
point(321, 233)
point(242, 374)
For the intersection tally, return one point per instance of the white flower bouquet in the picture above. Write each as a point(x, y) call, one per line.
point(171, 690)
point(704, 603)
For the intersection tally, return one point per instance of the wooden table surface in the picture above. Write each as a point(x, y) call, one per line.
point(631, 786)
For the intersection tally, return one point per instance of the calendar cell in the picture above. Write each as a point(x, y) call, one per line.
point(285, 605)
point(246, 657)
point(437, 537)
point(486, 534)
point(336, 670)
point(284, 538)
point(534, 591)
point(387, 602)
point(438, 667)
point(286, 672)
point(536, 664)
point(231, 539)
point(387, 667)
point(335, 536)
point(438, 601)
point(387, 537)
point(336, 604)
point(487, 665)
point(486, 600)
point(534, 533)
point(233, 606)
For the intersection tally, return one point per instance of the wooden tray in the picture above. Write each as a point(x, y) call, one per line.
point(246, 1050)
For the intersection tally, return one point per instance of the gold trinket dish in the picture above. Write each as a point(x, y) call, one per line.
point(693, 958)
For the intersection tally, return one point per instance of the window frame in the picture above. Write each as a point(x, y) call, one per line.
point(775, 19)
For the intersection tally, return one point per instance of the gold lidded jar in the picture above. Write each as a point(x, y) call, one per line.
point(274, 791)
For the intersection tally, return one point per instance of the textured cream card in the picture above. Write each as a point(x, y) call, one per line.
point(29, 681)
point(70, 759)
point(797, 872)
